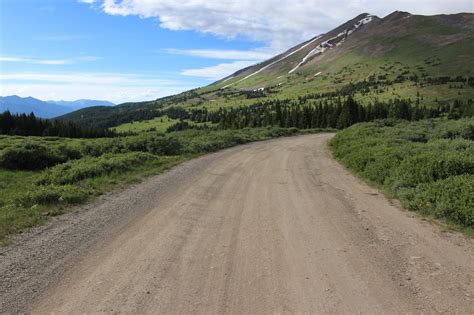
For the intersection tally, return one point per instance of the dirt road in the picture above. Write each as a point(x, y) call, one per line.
point(270, 227)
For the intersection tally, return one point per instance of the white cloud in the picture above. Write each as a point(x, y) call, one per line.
point(49, 61)
point(256, 55)
point(240, 59)
point(281, 24)
point(13, 59)
point(53, 62)
point(116, 87)
point(219, 71)
point(86, 1)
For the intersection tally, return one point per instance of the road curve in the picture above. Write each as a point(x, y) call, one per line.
point(270, 227)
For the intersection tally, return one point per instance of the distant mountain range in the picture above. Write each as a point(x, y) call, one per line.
point(45, 109)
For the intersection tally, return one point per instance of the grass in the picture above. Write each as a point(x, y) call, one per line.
point(160, 124)
point(30, 197)
point(157, 124)
point(427, 165)
point(354, 67)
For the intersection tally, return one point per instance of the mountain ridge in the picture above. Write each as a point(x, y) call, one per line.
point(45, 109)
point(81, 103)
point(375, 27)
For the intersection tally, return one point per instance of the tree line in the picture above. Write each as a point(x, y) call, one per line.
point(330, 113)
point(30, 125)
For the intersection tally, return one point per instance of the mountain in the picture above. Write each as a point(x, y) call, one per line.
point(49, 109)
point(78, 104)
point(434, 45)
point(16, 104)
point(401, 56)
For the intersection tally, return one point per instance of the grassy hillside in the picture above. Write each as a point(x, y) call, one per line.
point(427, 59)
point(400, 37)
point(428, 165)
point(156, 124)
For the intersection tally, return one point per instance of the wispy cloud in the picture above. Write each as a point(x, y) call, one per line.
point(13, 59)
point(37, 61)
point(49, 61)
point(91, 78)
point(56, 62)
point(256, 55)
point(219, 71)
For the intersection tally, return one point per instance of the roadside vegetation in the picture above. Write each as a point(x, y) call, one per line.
point(428, 165)
point(42, 177)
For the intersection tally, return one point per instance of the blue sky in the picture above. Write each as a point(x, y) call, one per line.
point(131, 50)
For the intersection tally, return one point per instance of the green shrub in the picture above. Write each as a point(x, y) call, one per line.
point(384, 162)
point(53, 194)
point(451, 198)
point(150, 142)
point(468, 133)
point(428, 165)
point(75, 171)
point(201, 141)
point(159, 145)
point(431, 166)
point(67, 153)
point(96, 149)
point(455, 129)
point(29, 156)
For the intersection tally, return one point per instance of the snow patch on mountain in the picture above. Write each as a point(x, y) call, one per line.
point(231, 77)
point(271, 64)
point(321, 48)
